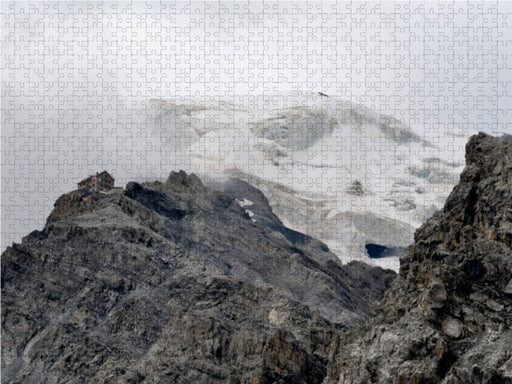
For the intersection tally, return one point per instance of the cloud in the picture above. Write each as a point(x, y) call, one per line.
point(77, 77)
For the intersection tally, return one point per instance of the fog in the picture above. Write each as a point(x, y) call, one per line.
point(77, 77)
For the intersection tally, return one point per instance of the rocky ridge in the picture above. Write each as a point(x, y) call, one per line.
point(447, 318)
point(175, 282)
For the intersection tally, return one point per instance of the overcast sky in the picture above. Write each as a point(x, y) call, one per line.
point(76, 75)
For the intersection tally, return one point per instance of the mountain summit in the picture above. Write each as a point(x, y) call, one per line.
point(175, 282)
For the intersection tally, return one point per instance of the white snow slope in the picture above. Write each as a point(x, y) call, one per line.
point(331, 169)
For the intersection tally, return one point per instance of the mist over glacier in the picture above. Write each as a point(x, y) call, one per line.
point(360, 181)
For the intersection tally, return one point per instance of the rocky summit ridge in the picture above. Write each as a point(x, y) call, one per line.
point(175, 282)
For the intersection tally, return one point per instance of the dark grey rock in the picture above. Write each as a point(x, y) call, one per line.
point(175, 283)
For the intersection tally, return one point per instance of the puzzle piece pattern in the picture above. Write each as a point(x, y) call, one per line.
point(76, 77)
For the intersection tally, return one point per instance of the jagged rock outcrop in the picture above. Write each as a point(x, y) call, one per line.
point(447, 318)
point(174, 282)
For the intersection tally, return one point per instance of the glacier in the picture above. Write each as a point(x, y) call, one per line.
point(357, 179)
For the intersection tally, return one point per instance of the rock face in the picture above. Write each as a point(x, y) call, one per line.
point(173, 282)
point(447, 318)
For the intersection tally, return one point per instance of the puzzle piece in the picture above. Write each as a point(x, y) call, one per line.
point(140, 89)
